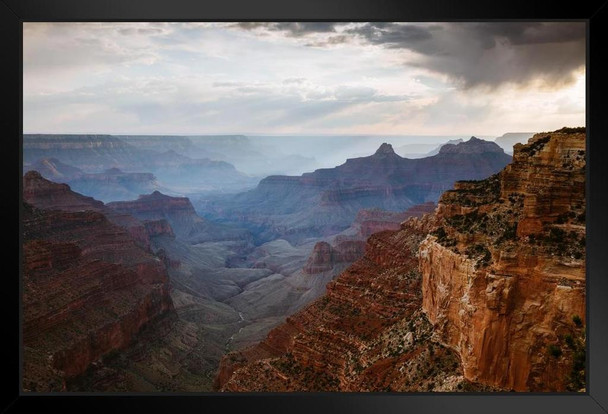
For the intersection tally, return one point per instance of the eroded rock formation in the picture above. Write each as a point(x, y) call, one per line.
point(88, 289)
point(504, 272)
point(326, 201)
point(366, 334)
point(486, 293)
point(180, 214)
point(349, 245)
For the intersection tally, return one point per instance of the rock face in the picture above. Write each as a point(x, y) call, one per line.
point(487, 293)
point(366, 334)
point(321, 259)
point(180, 214)
point(46, 194)
point(326, 201)
point(88, 289)
point(349, 245)
point(504, 272)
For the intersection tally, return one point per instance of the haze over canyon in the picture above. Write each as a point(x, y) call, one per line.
point(235, 263)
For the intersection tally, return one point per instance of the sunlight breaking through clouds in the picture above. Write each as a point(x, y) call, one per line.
point(302, 78)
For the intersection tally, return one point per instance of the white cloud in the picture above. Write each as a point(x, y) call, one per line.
point(201, 78)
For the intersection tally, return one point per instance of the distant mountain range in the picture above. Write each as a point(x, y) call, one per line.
point(69, 158)
point(110, 185)
point(423, 150)
point(327, 200)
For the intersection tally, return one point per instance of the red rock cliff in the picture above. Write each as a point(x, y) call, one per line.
point(46, 194)
point(504, 272)
point(88, 288)
point(488, 293)
point(366, 334)
point(349, 245)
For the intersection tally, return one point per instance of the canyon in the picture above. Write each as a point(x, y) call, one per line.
point(100, 156)
point(486, 293)
point(103, 308)
point(381, 274)
point(88, 290)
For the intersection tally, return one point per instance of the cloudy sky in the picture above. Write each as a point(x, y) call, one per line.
point(303, 78)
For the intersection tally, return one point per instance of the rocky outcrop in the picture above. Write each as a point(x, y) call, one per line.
point(504, 271)
point(349, 245)
point(88, 290)
point(366, 334)
point(492, 285)
point(321, 259)
point(180, 214)
point(45, 194)
point(325, 257)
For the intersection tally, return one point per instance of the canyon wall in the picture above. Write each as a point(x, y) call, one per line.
point(89, 287)
point(504, 271)
point(349, 245)
point(366, 334)
point(326, 201)
point(485, 294)
point(181, 216)
point(45, 194)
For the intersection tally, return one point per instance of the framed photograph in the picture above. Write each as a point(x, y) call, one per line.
point(364, 207)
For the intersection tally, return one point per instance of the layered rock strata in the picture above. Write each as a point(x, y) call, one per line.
point(326, 201)
point(45, 194)
point(349, 245)
point(488, 293)
point(366, 334)
point(504, 271)
point(88, 289)
point(180, 214)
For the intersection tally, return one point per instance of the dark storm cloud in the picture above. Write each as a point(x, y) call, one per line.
point(471, 54)
point(489, 54)
point(533, 32)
